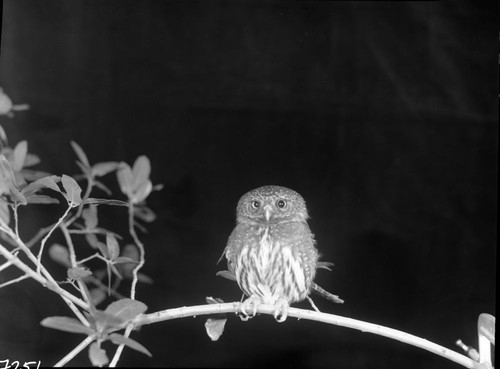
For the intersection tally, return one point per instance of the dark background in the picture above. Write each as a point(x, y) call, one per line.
point(382, 115)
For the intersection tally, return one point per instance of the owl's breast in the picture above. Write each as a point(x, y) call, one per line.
point(269, 261)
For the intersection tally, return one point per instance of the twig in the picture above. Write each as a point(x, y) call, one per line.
point(119, 350)
point(41, 232)
point(16, 219)
point(48, 282)
point(139, 245)
point(44, 240)
point(87, 341)
point(19, 279)
point(5, 265)
point(235, 307)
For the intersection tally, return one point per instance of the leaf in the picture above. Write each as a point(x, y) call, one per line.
point(214, 300)
point(143, 278)
point(101, 169)
point(97, 295)
point(4, 212)
point(102, 187)
point(142, 191)
point(73, 190)
point(144, 213)
point(5, 104)
point(112, 246)
point(60, 254)
point(102, 248)
point(41, 199)
point(66, 324)
point(126, 309)
point(114, 270)
point(85, 170)
point(123, 259)
point(141, 171)
point(6, 172)
point(19, 155)
point(32, 175)
point(92, 240)
point(78, 272)
point(45, 182)
point(130, 251)
point(215, 328)
point(92, 200)
point(3, 135)
point(8, 181)
point(80, 153)
point(125, 178)
point(97, 355)
point(119, 339)
point(89, 215)
point(30, 160)
point(105, 321)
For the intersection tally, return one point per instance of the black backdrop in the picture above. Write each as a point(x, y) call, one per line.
point(383, 115)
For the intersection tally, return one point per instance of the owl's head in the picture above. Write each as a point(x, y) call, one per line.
point(271, 204)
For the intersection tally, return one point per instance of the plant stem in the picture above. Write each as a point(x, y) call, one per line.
point(139, 245)
point(235, 307)
point(87, 341)
point(44, 240)
point(119, 350)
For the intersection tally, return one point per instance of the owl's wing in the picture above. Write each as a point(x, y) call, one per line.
point(230, 241)
point(325, 265)
point(223, 253)
point(243, 235)
point(325, 294)
point(226, 274)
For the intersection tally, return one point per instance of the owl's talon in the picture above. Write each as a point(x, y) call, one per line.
point(281, 310)
point(251, 303)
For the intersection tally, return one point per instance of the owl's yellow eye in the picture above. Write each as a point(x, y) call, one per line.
point(255, 204)
point(281, 204)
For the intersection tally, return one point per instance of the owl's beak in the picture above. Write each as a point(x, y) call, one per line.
point(268, 212)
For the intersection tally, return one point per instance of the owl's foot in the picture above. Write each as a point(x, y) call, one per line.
point(249, 307)
point(281, 310)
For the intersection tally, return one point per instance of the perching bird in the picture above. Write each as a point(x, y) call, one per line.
point(271, 251)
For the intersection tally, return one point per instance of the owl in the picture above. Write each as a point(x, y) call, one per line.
point(271, 252)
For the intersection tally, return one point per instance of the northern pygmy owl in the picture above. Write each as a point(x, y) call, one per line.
point(271, 252)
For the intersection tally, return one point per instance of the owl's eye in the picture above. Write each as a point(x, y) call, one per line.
point(281, 204)
point(255, 204)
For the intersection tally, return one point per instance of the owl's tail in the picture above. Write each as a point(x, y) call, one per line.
point(325, 294)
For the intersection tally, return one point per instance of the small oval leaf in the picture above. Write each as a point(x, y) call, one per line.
point(89, 215)
point(67, 324)
point(125, 179)
point(45, 182)
point(101, 169)
point(19, 155)
point(73, 190)
point(41, 199)
point(141, 171)
point(112, 246)
point(215, 328)
point(4, 212)
point(126, 309)
point(60, 254)
point(118, 339)
point(80, 153)
point(97, 295)
point(97, 355)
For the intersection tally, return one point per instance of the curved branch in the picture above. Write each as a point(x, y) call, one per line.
point(235, 307)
